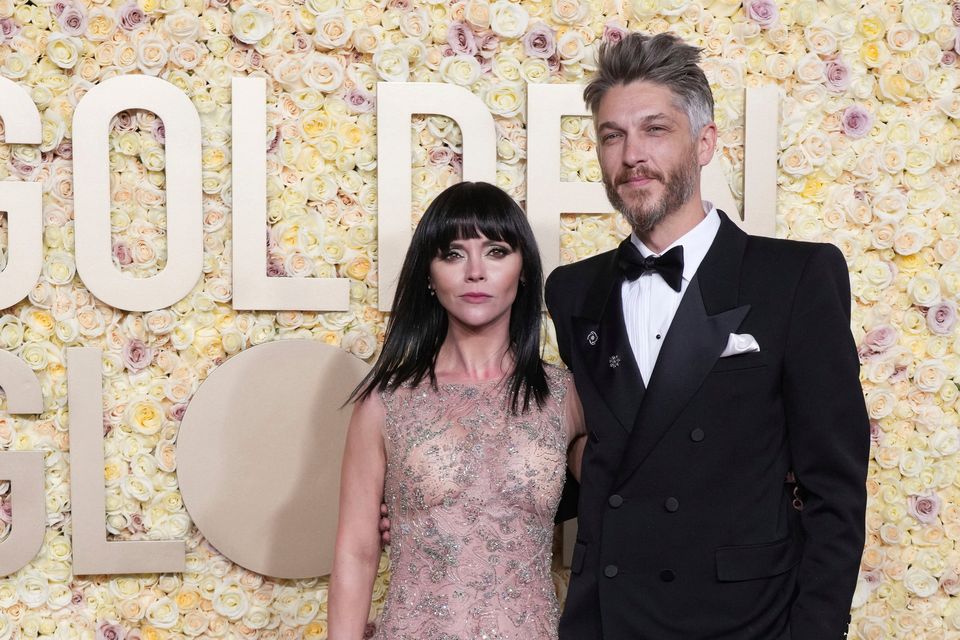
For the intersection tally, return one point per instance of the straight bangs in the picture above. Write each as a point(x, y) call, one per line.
point(474, 213)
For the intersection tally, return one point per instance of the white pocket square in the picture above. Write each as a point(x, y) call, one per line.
point(739, 343)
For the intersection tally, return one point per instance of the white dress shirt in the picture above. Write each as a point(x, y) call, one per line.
point(649, 303)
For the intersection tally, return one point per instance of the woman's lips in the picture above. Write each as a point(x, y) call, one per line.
point(475, 297)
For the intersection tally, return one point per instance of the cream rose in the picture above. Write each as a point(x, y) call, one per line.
point(251, 24)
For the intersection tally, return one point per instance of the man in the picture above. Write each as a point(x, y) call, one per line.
point(708, 376)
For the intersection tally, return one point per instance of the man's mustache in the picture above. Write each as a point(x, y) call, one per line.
point(647, 174)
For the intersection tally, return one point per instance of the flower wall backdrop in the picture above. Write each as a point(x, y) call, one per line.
point(869, 160)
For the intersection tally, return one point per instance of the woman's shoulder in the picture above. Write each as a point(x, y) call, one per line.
point(559, 380)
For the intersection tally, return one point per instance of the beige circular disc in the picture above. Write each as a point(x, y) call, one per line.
point(258, 455)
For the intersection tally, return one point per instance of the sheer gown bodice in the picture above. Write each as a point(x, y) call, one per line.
point(471, 491)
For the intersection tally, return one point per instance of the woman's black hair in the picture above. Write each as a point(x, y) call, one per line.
point(418, 323)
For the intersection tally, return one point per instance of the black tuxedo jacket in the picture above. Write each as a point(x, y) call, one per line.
point(686, 523)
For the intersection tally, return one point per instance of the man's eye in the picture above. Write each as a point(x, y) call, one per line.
point(607, 137)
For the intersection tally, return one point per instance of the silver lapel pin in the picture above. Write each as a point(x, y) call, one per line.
point(592, 338)
point(614, 362)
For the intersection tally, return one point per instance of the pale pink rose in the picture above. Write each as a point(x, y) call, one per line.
point(6, 510)
point(876, 433)
point(949, 58)
point(873, 578)
point(72, 21)
point(137, 355)
point(110, 631)
point(856, 121)
point(122, 122)
point(950, 582)
point(158, 131)
point(613, 33)
point(275, 268)
point(924, 507)
point(131, 17)
point(838, 75)
point(942, 317)
point(764, 12)
point(76, 597)
point(136, 523)
point(487, 42)
point(218, 4)
point(955, 13)
point(122, 254)
point(439, 156)
point(23, 169)
point(64, 150)
point(274, 144)
point(177, 411)
point(8, 29)
point(359, 101)
point(878, 340)
point(540, 41)
point(402, 5)
point(58, 7)
point(461, 40)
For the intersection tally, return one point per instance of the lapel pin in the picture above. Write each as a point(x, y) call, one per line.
point(614, 362)
point(592, 338)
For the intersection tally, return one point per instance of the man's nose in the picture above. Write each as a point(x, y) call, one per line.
point(634, 151)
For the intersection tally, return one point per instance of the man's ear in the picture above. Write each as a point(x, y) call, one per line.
point(706, 144)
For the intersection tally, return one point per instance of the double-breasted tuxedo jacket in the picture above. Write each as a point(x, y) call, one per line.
point(686, 523)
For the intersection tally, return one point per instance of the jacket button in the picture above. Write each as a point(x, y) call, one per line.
point(671, 504)
point(667, 575)
point(615, 500)
point(610, 570)
point(696, 435)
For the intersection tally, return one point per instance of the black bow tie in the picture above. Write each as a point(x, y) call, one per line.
point(669, 265)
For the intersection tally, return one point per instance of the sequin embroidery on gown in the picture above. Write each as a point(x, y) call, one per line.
point(472, 492)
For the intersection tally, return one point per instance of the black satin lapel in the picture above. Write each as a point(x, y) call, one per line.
point(692, 346)
point(606, 353)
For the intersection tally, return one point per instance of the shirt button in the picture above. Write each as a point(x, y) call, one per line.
point(671, 504)
point(696, 435)
point(667, 575)
point(615, 500)
point(610, 570)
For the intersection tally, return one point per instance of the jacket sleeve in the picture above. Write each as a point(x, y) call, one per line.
point(829, 437)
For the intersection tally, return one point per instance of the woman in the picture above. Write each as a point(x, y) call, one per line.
point(464, 433)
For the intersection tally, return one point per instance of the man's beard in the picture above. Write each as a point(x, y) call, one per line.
point(644, 216)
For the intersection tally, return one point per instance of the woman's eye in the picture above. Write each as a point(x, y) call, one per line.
point(450, 254)
point(499, 252)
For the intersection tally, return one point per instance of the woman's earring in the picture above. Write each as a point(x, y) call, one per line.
point(431, 289)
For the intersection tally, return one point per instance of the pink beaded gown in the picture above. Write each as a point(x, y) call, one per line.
point(472, 491)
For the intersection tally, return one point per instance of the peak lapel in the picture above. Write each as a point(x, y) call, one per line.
point(707, 315)
point(601, 338)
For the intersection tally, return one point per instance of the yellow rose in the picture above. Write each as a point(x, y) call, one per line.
point(874, 54)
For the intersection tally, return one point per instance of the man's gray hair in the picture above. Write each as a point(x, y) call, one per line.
point(663, 59)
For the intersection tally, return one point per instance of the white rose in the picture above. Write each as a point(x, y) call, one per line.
point(504, 99)
point(925, 17)
point(508, 20)
point(251, 24)
point(930, 375)
point(460, 69)
point(163, 613)
point(924, 290)
point(919, 582)
point(230, 601)
point(333, 29)
point(152, 54)
point(323, 73)
point(63, 51)
point(391, 64)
